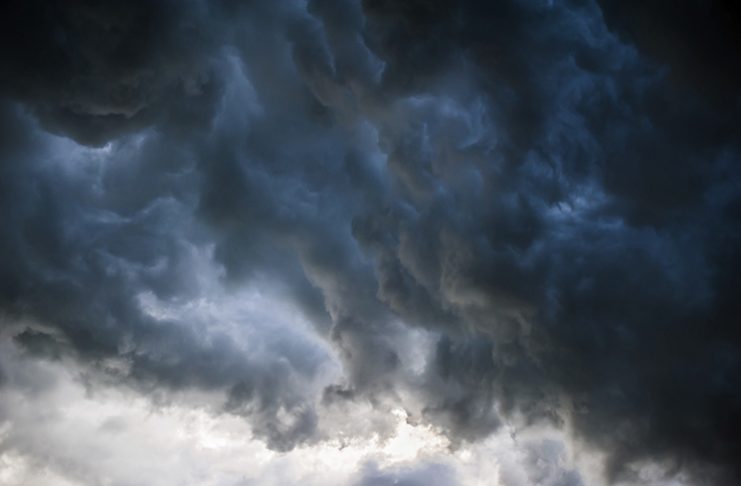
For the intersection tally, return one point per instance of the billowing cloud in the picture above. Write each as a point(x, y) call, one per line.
point(322, 216)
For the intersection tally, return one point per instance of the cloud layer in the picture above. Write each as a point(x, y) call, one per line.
point(520, 215)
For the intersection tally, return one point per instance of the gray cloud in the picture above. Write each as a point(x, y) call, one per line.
point(546, 198)
point(431, 474)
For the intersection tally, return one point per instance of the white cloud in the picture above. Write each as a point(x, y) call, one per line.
point(62, 426)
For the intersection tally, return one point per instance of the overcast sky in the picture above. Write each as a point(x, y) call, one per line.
point(370, 243)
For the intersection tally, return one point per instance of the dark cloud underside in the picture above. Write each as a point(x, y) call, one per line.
point(551, 189)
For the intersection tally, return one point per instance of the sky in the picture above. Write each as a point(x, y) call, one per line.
point(370, 243)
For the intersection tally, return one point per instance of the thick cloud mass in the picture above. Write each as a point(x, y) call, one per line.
point(478, 212)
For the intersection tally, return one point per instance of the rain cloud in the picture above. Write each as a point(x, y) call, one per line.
point(342, 221)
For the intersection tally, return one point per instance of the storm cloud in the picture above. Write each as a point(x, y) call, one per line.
point(490, 219)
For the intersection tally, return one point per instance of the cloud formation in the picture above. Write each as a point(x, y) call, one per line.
point(524, 212)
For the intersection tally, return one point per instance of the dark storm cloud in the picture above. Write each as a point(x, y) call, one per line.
point(550, 199)
point(93, 71)
point(84, 243)
point(589, 243)
point(699, 41)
